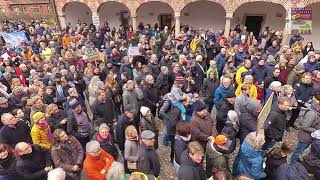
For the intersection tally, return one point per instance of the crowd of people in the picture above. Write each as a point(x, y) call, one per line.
point(75, 102)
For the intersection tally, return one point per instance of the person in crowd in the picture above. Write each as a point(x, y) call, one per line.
point(241, 99)
point(246, 66)
point(8, 163)
point(40, 132)
point(56, 118)
point(274, 76)
point(78, 124)
point(57, 174)
point(248, 118)
point(182, 140)
point(33, 161)
point(131, 148)
point(148, 122)
point(97, 162)
point(103, 110)
point(287, 91)
point(203, 127)
point(275, 124)
point(191, 163)
point(38, 106)
point(116, 171)
point(216, 155)
point(209, 86)
point(295, 75)
point(248, 80)
point(151, 94)
point(227, 104)
point(123, 122)
point(276, 157)
point(249, 161)
point(162, 81)
point(148, 159)
point(67, 153)
point(14, 131)
point(221, 92)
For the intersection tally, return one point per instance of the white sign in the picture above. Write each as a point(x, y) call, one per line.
point(133, 51)
point(96, 20)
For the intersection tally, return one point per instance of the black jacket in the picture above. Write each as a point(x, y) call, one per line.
point(31, 166)
point(55, 119)
point(304, 91)
point(103, 112)
point(248, 123)
point(222, 114)
point(122, 124)
point(180, 146)
point(274, 160)
point(12, 136)
point(275, 124)
point(162, 83)
point(148, 160)
point(190, 170)
point(151, 96)
point(8, 168)
point(208, 89)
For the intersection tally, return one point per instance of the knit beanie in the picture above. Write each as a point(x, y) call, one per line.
point(144, 110)
point(37, 116)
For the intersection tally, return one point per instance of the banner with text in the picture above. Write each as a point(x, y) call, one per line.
point(301, 20)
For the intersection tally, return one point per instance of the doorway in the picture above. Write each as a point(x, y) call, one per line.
point(124, 19)
point(165, 20)
point(253, 24)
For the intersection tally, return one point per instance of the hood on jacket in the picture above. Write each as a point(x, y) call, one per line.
point(185, 159)
point(293, 171)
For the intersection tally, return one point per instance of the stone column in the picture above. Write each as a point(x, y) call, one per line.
point(229, 17)
point(62, 21)
point(177, 23)
point(134, 23)
point(287, 28)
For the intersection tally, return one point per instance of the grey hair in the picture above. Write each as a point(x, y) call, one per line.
point(57, 174)
point(256, 140)
point(92, 146)
point(116, 171)
point(71, 89)
point(4, 116)
point(149, 77)
point(104, 125)
point(164, 68)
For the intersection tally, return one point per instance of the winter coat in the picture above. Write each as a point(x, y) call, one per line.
point(293, 78)
point(240, 57)
point(151, 96)
point(239, 73)
point(92, 166)
point(148, 160)
point(8, 168)
point(220, 94)
point(130, 98)
point(122, 124)
point(11, 136)
point(291, 172)
point(222, 114)
point(103, 112)
point(253, 90)
point(126, 68)
point(55, 119)
point(312, 160)
point(199, 72)
point(107, 145)
point(39, 136)
point(221, 62)
point(259, 73)
point(216, 159)
point(248, 123)
point(249, 162)
point(202, 128)
point(275, 124)
point(154, 69)
point(170, 114)
point(67, 154)
point(31, 166)
point(274, 160)
point(307, 122)
point(304, 92)
point(131, 150)
point(269, 79)
point(180, 145)
point(190, 170)
point(208, 89)
point(162, 83)
point(309, 66)
point(149, 124)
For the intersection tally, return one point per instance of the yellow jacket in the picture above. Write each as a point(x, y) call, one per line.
point(253, 91)
point(241, 70)
point(39, 136)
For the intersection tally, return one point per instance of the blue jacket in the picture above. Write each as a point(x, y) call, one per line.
point(249, 162)
point(220, 93)
point(240, 57)
point(221, 62)
point(309, 67)
point(259, 73)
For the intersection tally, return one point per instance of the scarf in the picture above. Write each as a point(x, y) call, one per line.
point(45, 127)
point(100, 138)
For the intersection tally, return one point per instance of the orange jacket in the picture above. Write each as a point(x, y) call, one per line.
point(66, 40)
point(93, 165)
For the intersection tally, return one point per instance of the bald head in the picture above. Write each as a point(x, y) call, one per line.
point(23, 148)
point(8, 119)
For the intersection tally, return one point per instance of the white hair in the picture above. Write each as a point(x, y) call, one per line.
point(116, 171)
point(57, 174)
point(274, 85)
point(92, 146)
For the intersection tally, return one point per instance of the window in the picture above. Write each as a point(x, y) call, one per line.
point(49, 9)
point(16, 9)
point(35, 9)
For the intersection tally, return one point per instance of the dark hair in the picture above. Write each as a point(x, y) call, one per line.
point(183, 129)
point(5, 147)
point(286, 147)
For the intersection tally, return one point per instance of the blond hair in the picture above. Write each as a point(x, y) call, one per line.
point(130, 130)
point(50, 109)
point(256, 140)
